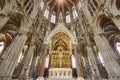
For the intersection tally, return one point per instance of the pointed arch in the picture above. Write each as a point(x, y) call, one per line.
point(60, 28)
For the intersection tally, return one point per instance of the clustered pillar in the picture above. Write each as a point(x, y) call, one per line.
point(78, 65)
point(28, 58)
point(8, 66)
point(93, 64)
point(107, 52)
point(42, 65)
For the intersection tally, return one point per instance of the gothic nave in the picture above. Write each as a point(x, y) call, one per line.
point(59, 39)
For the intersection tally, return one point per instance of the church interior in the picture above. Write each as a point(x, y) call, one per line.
point(59, 39)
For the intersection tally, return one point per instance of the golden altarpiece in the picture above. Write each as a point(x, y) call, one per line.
point(60, 57)
point(60, 51)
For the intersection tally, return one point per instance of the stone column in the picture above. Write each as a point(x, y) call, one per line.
point(78, 65)
point(107, 52)
point(27, 61)
point(8, 66)
point(93, 64)
point(42, 65)
point(33, 64)
point(29, 56)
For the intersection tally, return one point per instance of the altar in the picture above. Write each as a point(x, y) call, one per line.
point(60, 74)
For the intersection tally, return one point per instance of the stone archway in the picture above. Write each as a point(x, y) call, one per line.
point(60, 28)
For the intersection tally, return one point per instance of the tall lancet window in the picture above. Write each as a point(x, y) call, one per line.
point(73, 62)
point(74, 13)
point(68, 19)
point(117, 45)
point(22, 54)
point(100, 58)
point(42, 4)
point(53, 17)
point(79, 5)
point(2, 45)
point(47, 62)
point(46, 13)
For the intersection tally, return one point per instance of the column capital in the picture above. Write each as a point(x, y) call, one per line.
point(45, 46)
point(23, 32)
point(75, 45)
point(32, 44)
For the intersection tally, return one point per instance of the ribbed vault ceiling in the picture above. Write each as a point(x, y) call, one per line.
point(61, 5)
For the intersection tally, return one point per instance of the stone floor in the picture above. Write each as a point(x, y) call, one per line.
point(60, 79)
